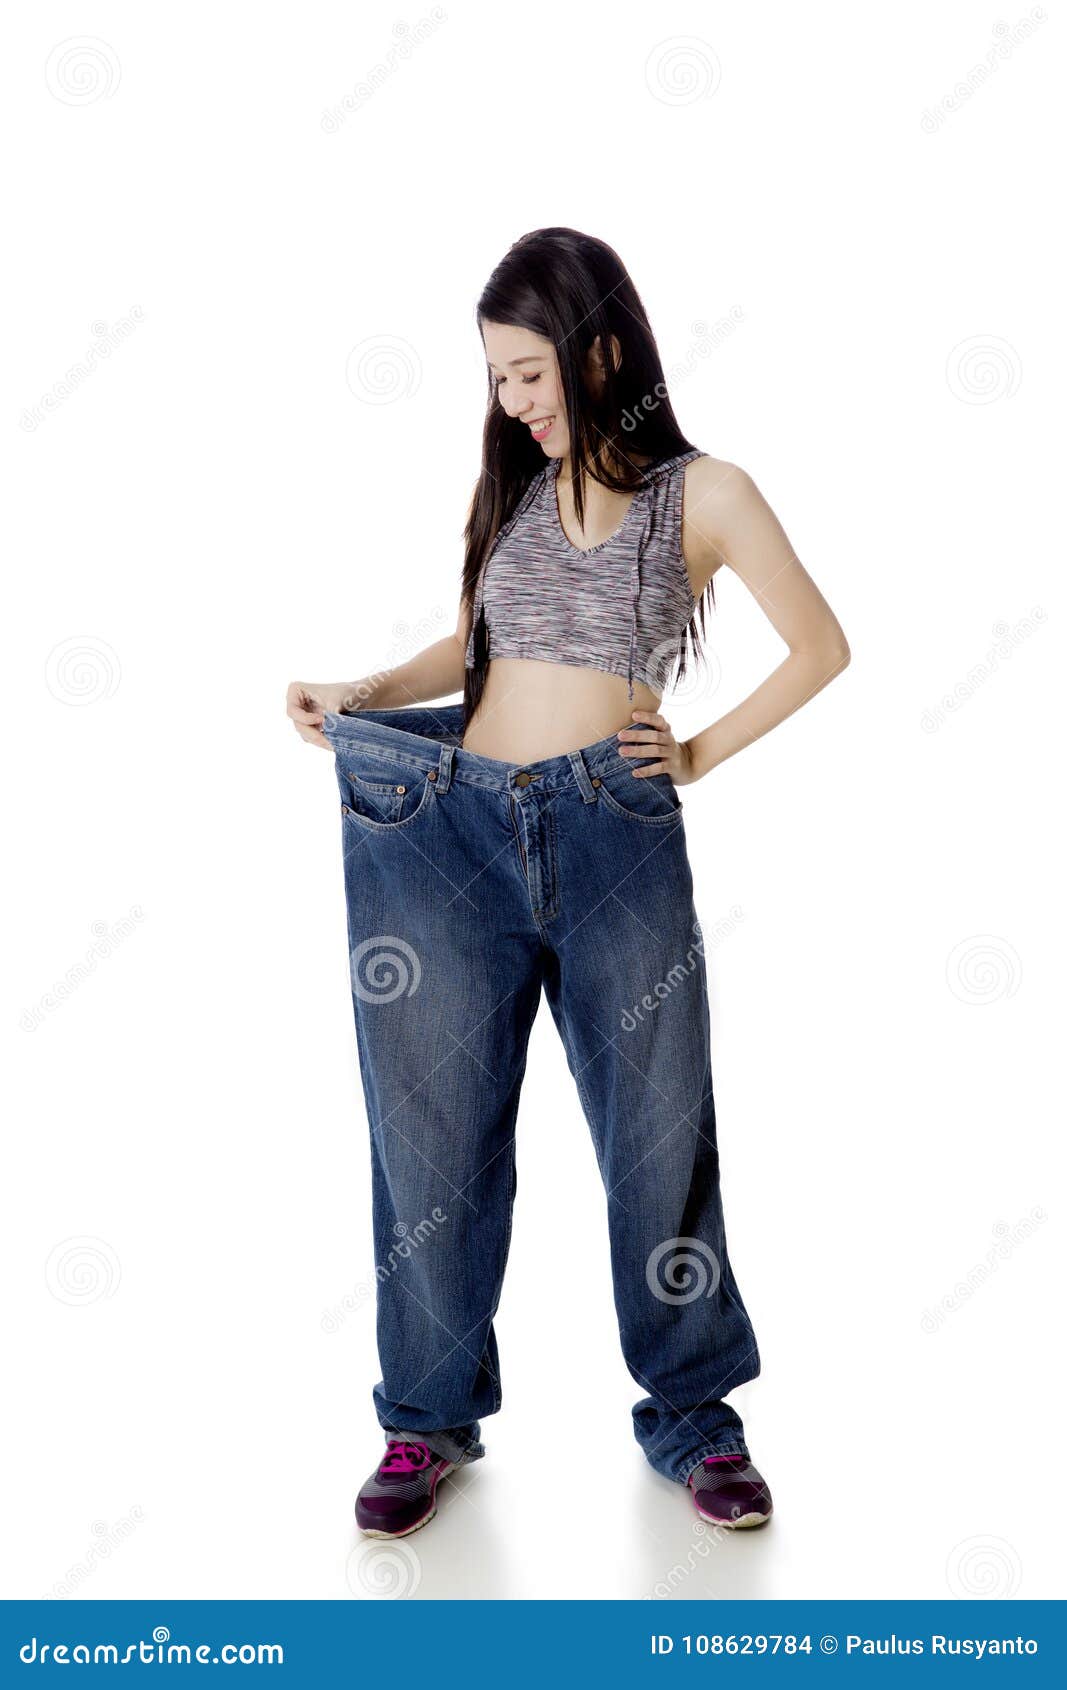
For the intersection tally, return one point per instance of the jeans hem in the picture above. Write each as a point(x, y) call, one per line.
point(443, 1442)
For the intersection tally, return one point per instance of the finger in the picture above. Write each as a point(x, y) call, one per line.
point(652, 716)
point(657, 725)
point(650, 769)
point(648, 744)
point(310, 718)
point(312, 736)
point(629, 736)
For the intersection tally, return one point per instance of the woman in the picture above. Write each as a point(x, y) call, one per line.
point(532, 839)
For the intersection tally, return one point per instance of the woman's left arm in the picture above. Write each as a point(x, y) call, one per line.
point(727, 520)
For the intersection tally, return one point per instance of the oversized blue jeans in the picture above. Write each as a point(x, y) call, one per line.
point(471, 886)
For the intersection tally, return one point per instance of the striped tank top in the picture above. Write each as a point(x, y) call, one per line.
point(622, 606)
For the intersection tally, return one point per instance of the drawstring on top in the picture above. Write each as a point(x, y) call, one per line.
point(644, 493)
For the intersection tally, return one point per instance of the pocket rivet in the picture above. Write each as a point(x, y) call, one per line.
point(401, 788)
point(431, 774)
point(596, 781)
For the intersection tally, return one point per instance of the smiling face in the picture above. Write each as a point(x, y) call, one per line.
point(524, 367)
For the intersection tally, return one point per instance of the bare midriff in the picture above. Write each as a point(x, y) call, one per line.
point(531, 710)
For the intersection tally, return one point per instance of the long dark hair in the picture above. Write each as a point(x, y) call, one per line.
point(572, 290)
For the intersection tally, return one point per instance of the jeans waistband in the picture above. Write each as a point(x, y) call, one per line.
point(429, 738)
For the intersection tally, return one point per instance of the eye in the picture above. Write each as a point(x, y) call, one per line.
point(526, 380)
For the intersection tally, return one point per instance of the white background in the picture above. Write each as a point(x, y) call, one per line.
point(217, 508)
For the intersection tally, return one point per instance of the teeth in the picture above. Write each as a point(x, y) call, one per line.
point(539, 427)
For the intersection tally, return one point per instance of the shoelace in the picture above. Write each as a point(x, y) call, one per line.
point(403, 1457)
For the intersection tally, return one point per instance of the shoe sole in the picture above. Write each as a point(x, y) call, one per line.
point(736, 1525)
point(372, 1531)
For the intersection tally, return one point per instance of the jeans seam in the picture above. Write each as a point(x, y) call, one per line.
point(498, 1395)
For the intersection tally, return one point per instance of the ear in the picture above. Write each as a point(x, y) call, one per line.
point(594, 363)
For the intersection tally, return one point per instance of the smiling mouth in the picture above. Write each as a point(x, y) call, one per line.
point(541, 426)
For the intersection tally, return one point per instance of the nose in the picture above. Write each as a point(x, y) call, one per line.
point(514, 404)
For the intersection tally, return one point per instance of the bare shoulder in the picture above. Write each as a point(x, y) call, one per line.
point(719, 499)
point(718, 486)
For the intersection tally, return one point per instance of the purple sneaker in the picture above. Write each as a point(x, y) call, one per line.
point(401, 1493)
point(729, 1491)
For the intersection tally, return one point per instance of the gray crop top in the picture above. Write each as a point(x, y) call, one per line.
point(622, 606)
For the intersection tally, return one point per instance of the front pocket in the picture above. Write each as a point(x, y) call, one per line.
point(653, 800)
point(370, 801)
point(383, 801)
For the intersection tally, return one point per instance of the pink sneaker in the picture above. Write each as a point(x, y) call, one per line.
point(401, 1493)
point(729, 1491)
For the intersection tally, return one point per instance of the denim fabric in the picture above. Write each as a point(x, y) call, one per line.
point(473, 885)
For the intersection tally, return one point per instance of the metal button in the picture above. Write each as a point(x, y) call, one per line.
point(596, 781)
point(431, 774)
point(401, 788)
point(524, 779)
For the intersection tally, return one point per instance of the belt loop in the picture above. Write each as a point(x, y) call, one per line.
point(581, 775)
point(444, 767)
